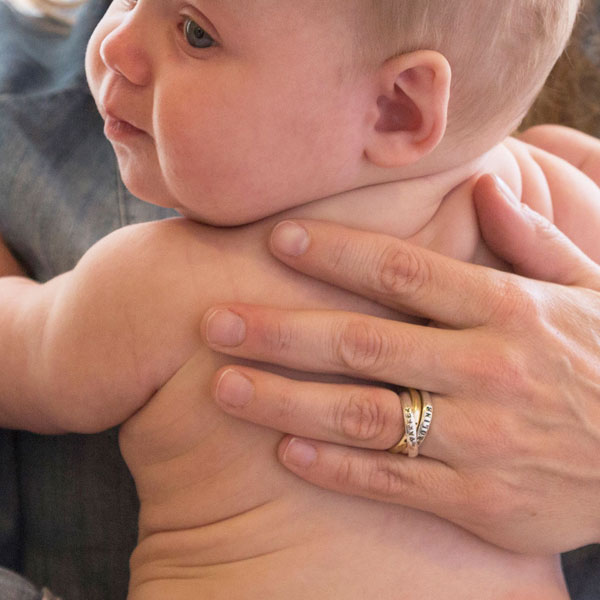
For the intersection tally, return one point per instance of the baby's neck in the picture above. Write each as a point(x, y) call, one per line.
point(400, 208)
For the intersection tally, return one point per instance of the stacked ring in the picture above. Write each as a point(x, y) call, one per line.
point(417, 412)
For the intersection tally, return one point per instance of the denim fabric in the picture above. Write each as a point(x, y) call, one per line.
point(9, 502)
point(13, 587)
point(68, 506)
point(582, 571)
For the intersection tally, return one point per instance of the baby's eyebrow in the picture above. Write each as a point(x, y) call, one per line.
point(225, 4)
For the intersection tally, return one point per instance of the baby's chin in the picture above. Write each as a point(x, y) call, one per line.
point(220, 221)
point(198, 215)
point(199, 208)
point(146, 189)
point(213, 210)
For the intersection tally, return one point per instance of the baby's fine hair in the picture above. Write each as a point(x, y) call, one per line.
point(500, 51)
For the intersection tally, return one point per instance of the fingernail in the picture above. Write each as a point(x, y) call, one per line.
point(234, 389)
point(224, 328)
point(290, 239)
point(299, 453)
point(506, 191)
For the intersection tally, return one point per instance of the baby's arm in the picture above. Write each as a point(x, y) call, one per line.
point(577, 148)
point(85, 350)
point(571, 178)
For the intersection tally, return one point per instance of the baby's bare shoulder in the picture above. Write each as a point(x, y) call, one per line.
point(178, 252)
point(139, 296)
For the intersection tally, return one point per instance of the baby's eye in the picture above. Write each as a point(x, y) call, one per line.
point(196, 36)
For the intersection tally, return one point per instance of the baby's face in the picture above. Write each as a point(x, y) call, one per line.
point(229, 110)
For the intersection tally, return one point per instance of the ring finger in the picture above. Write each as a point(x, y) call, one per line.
point(361, 416)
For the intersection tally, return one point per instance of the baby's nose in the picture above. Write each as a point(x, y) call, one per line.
point(124, 51)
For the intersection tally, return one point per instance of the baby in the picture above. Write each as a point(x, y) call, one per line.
point(377, 114)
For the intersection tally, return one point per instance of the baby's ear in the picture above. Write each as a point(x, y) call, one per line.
point(412, 95)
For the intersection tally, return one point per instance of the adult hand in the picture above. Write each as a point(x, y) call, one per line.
point(513, 450)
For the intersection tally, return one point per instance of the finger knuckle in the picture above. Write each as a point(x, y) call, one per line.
point(362, 347)
point(375, 480)
point(385, 482)
point(341, 249)
point(499, 370)
point(360, 417)
point(507, 370)
point(515, 302)
point(545, 231)
point(401, 272)
point(347, 473)
point(278, 339)
point(286, 405)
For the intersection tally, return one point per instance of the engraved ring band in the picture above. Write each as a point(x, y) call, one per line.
point(417, 412)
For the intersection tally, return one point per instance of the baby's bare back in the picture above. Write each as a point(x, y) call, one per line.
point(220, 518)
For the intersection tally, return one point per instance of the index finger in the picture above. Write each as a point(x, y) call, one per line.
point(393, 272)
point(351, 344)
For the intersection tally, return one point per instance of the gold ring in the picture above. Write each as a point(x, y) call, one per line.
point(417, 413)
point(412, 396)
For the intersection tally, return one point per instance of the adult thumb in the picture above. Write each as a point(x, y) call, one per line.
point(528, 241)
